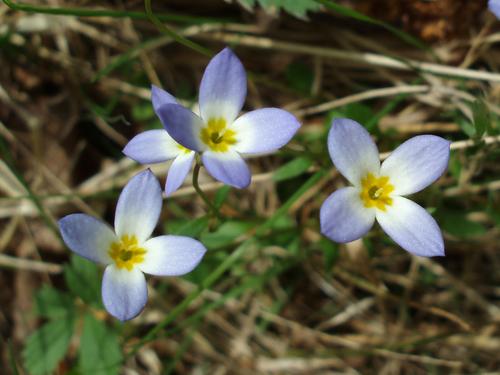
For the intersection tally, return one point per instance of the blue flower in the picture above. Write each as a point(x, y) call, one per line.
point(128, 251)
point(494, 6)
point(217, 133)
point(349, 213)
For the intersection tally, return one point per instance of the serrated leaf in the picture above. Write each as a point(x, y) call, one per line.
point(225, 234)
point(47, 346)
point(100, 352)
point(83, 280)
point(52, 303)
point(292, 169)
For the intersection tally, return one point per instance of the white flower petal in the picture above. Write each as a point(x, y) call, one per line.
point(416, 163)
point(139, 206)
point(171, 255)
point(124, 293)
point(178, 171)
point(152, 146)
point(223, 88)
point(264, 130)
point(352, 150)
point(87, 236)
point(343, 217)
point(412, 228)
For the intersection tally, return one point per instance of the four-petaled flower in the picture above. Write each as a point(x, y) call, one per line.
point(350, 212)
point(129, 251)
point(494, 6)
point(217, 133)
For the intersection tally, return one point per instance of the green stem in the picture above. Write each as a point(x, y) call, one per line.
point(178, 38)
point(82, 12)
point(196, 185)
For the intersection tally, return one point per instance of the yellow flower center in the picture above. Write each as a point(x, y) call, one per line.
point(126, 252)
point(376, 191)
point(216, 136)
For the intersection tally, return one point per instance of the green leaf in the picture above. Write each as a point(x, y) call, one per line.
point(467, 127)
point(359, 112)
point(47, 346)
point(83, 279)
point(221, 196)
point(225, 234)
point(143, 111)
point(51, 303)
point(330, 252)
point(292, 169)
point(190, 228)
point(100, 351)
point(457, 224)
point(481, 116)
point(300, 77)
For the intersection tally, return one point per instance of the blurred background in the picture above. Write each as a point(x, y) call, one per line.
point(272, 296)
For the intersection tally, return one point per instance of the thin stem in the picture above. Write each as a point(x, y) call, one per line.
point(196, 185)
point(178, 38)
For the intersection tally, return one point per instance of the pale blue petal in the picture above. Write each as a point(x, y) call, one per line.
point(264, 130)
point(160, 97)
point(412, 228)
point(152, 146)
point(352, 150)
point(494, 6)
point(124, 293)
point(416, 163)
point(227, 167)
point(87, 236)
point(223, 88)
point(171, 255)
point(343, 218)
point(183, 125)
point(139, 206)
point(178, 171)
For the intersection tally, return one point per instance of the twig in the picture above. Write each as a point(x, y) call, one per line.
point(366, 58)
point(29, 265)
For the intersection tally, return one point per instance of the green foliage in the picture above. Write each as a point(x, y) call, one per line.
point(190, 228)
point(292, 169)
point(51, 303)
point(481, 116)
point(100, 351)
point(330, 253)
point(359, 112)
point(47, 346)
point(83, 280)
point(225, 234)
point(221, 196)
point(456, 223)
point(300, 77)
point(298, 8)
